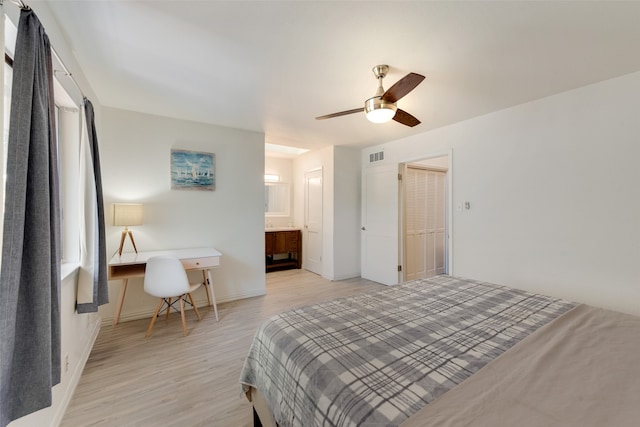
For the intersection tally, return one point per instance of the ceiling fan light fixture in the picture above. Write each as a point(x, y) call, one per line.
point(379, 111)
point(382, 107)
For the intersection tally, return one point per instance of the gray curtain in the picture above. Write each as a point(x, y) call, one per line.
point(30, 273)
point(92, 281)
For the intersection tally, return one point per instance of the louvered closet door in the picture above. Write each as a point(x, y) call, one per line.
point(439, 230)
point(435, 222)
point(416, 233)
point(424, 223)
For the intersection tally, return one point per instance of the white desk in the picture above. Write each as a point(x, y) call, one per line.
point(133, 264)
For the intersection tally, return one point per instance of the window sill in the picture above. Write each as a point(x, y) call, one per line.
point(69, 268)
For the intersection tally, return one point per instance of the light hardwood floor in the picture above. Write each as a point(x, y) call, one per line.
point(172, 380)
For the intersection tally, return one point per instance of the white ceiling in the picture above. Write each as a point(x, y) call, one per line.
point(273, 66)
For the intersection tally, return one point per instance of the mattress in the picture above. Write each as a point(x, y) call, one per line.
point(377, 359)
point(581, 370)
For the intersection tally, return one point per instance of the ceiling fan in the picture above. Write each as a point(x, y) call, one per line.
point(382, 106)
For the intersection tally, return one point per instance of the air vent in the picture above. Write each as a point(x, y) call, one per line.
point(376, 157)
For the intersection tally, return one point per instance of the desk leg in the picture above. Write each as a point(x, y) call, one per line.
point(123, 290)
point(206, 286)
point(213, 295)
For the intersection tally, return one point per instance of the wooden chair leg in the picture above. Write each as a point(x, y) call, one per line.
point(195, 308)
point(168, 308)
point(184, 321)
point(153, 319)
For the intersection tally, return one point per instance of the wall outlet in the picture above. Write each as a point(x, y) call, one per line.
point(66, 363)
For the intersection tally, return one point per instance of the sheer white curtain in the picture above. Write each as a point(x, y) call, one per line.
point(92, 281)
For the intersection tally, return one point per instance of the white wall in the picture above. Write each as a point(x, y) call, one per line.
point(340, 207)
point(280, 166)
point(553, 190)
point(346, 213)
point(136, 167)
point(314, 160)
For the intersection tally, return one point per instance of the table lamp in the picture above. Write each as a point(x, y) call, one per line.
point(127, 214)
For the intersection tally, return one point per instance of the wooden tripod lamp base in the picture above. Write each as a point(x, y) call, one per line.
point(126, 232)
point(126, 214)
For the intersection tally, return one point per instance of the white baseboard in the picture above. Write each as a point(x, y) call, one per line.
point(346, 276)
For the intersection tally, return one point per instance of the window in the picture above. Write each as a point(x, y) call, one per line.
point(68, 127)
point(68, 124)
point(9, 37)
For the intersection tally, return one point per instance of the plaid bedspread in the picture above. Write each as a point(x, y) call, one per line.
point(376, 359)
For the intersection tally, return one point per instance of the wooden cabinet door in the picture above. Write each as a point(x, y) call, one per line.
point(268, 243)
point(280, 242)
point(292, 241)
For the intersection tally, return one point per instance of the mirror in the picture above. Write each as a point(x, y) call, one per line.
point(276, 199)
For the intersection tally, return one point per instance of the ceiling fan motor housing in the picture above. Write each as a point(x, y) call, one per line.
point(377, 109)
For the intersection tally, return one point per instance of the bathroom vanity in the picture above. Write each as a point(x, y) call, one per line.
point(283, 248)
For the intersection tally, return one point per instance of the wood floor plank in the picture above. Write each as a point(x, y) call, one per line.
point(169, 379)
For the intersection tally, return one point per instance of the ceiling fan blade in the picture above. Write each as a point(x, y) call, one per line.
point(405, 118)
point(402, 87)
point(341, 113)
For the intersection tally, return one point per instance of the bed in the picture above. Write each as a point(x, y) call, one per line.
point(445, 351)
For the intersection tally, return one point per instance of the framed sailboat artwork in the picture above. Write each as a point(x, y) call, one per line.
point(193, 170)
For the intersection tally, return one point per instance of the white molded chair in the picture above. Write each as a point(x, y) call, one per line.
point(166, 279)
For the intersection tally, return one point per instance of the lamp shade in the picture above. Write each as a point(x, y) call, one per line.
point(126, 214)
point(379, 111)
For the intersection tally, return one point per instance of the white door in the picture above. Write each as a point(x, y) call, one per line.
point(424, 222)
point(380, 224)
point(312, 233)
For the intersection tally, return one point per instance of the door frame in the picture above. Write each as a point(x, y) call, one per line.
point(449, 214)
